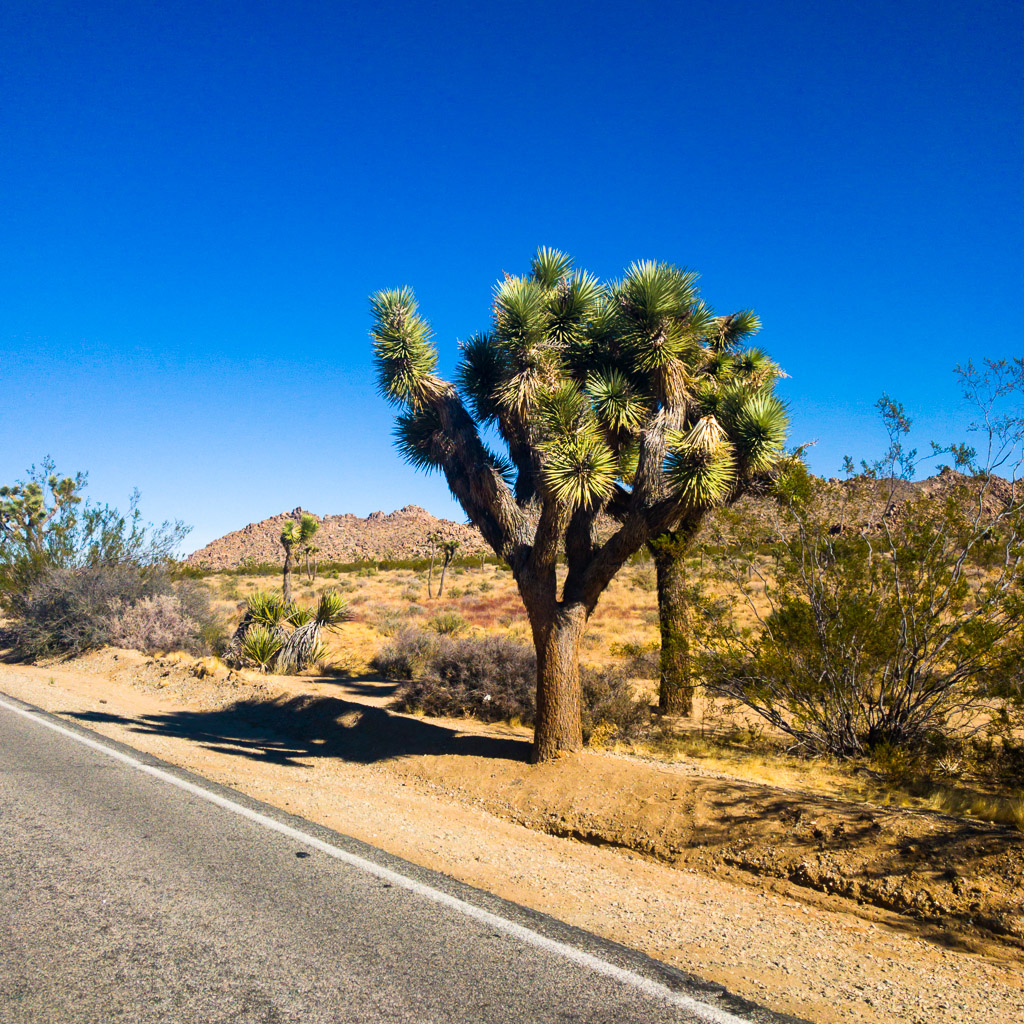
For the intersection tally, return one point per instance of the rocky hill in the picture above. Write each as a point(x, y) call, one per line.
point(859, 505)
point(346, 538)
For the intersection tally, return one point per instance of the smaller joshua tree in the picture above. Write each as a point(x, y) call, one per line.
point(295, 535)
point(448, 549)
point(311, 552)
point(304, 646)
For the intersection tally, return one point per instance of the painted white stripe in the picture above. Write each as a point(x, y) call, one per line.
point(651, 988)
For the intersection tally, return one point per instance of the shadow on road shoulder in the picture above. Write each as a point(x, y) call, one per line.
point(288, 729)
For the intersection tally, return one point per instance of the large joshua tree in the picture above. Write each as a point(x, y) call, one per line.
point(604, 398)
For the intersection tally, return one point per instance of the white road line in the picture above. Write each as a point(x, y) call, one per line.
point(527, 935)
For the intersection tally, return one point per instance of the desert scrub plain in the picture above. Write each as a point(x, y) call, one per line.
point(482, 601)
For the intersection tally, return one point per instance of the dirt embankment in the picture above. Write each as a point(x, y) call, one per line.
point(950, 875)
point(330, 749)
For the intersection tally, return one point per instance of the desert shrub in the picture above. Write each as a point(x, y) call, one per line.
point(642, 657)
point(490, 678)
point(155, 624)
point(882, 633)
point(611, 707)
point(404, 656)
point(70, 611)
point(447, 624)
point(387, 621)
point(494, 679)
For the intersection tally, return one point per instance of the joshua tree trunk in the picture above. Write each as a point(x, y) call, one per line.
point(440, 582)
point(675, 693)
point(286, 583)
point(558, 727)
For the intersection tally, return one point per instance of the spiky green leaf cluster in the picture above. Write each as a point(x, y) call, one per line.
point(301, 616)
point(266, 608)
point(332, 609)
point(420, 438)
point(580, 469)
point(701, 472)
point(616, 402)
point(404, 354)
point(760, 432)
point(261, 644)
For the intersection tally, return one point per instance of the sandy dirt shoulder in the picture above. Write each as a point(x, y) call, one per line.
point(634, 852)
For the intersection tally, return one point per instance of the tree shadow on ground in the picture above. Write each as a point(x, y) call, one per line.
point(287, 730)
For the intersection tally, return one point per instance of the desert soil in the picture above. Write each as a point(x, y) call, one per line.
point(827, 910)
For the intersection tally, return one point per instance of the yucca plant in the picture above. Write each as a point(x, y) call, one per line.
point(261, 645)
point(264, 608)
point(304, 646)
point(623, 398)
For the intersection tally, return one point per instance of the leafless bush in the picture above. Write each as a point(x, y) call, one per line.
point(494, 679)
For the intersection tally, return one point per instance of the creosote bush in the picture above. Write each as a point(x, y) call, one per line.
point(494, 679)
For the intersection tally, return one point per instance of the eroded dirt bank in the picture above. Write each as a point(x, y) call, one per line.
point(809, 929)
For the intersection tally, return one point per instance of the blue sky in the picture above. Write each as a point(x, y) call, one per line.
point(199, 197)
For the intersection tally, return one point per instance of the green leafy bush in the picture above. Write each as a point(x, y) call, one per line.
point(447, 624)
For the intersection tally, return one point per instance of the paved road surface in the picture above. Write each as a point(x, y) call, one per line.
point(133, 891)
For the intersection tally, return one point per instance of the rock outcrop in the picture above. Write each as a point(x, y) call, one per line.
point(345, 538)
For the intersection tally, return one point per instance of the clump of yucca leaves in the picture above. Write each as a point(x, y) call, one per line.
point(630, 398)
point(261, 645)
point(305, 646)
point(263, 637)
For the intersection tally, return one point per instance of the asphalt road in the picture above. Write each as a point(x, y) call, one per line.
point(133, 891)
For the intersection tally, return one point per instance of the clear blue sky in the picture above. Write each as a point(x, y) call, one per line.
point(197, 199)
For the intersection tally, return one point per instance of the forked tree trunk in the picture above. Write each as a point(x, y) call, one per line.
point(675, 693)
point(286, 583)
point(559, 725)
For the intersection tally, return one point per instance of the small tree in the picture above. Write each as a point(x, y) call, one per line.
point(433, 542)
point(295, 535)
point(891, 614)
point(738, 383)
point(605, 401)
point(448, 549)
point(311, 551)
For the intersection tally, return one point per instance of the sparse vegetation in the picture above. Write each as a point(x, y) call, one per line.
point(494, 679)
point(880, 637)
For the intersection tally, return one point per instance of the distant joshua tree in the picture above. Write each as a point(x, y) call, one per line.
point(311, 551)
point(295, 534)
point(448, 549)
